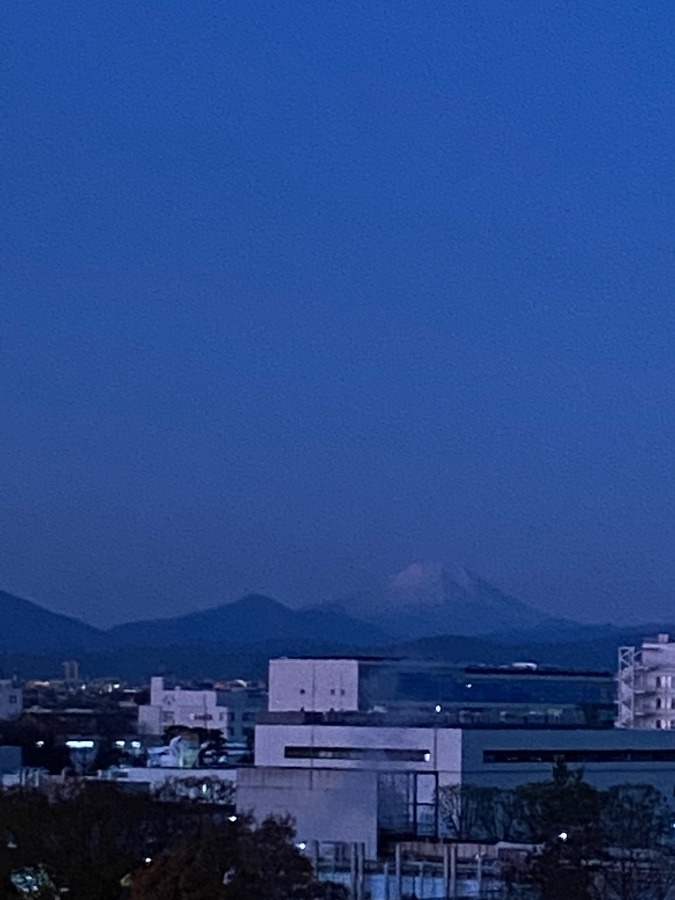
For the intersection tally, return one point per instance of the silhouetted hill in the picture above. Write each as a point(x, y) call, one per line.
point(252, 619)
point(597, 648)
point(238, 639)
point(34, 629)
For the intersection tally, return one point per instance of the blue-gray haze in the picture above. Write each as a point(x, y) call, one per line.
point(294, 293)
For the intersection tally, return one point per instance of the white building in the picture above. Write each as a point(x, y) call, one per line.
point(646, 684)
point(356, 774)
point(232, 711)
point(11, 700)
point(187, 708)
point(313, 685)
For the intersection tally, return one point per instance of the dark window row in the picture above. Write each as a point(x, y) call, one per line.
point(368, 753)
point(578, 756)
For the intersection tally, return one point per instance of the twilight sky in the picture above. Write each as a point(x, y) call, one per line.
point(295, 292)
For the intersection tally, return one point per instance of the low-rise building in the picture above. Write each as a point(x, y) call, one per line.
point(231, 711)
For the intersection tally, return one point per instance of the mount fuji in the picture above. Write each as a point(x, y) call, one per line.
point(426, 600)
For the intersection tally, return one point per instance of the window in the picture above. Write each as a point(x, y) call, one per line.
point(658, 681)
point(658, 703)
point(361, 753)
point(342, 692)
point(332, 690)
point(302, 690)
point(626, 754)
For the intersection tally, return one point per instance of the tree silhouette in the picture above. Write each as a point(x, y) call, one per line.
point(241, 863)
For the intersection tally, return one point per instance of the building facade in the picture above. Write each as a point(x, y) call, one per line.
point(176, 706)
point(378, 771)
point(435, 692)
point(233, 712)
point(646, 685)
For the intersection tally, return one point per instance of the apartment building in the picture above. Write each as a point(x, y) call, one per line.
point(646, 684)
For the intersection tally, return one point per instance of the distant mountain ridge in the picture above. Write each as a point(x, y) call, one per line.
point(251, 619)
point(26, 626)
point(424, 611)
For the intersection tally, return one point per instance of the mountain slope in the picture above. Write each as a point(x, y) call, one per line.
point(29, 627)
point(426, 600)
point(252, 619)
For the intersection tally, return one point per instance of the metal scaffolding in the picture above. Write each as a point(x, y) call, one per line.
point(629, 659)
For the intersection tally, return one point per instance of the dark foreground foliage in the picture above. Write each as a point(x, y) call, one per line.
point(102, 843)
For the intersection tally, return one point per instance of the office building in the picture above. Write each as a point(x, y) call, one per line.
point(376, 771)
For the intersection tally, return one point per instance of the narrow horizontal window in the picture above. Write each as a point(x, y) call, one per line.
point(358, 753)
point(578, 756)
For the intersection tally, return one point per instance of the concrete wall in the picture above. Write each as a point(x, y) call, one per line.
point(428, 749)
point(327, 805)
point(313, 685)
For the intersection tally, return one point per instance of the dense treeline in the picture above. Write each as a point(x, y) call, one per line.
point(101, 843)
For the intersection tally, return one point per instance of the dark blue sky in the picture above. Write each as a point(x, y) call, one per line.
point(297, 292)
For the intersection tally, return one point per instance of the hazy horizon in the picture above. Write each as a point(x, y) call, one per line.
point(372, 584)
point(296, 294)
